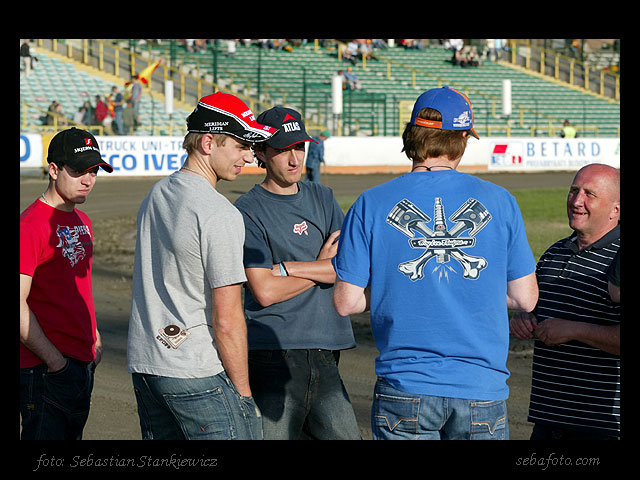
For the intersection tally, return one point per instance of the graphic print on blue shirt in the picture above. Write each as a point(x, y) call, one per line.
point(440, 241)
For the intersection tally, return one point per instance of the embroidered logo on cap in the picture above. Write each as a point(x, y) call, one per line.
point(463, 120)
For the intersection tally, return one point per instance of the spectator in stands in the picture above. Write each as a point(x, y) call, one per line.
point(496, 47)
point(575, 392)
point(458, 58)
point(118, 101)
point(378, 44)
point(129, 118)
point(472, 57)
point(80, 115)
point(364, 47)
point(454, 44)
point(411, 44)
point(352, 82)
point(196, 44)
point(568, 130)
point(103, 116)
point(100, 111)
point(48, 118)
point(231, 47)
point(136, 93)
point(350, 52)
point(89, 116)
point(55, 116)
point(27, 59)
point(340, 74)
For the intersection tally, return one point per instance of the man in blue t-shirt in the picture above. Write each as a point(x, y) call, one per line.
point(294, 332)
point(438, 256)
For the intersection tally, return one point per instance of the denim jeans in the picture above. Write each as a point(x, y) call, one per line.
point(55, 406)
point(313, 174)
point(396, 415)
point(300, 394)
point(208, 408)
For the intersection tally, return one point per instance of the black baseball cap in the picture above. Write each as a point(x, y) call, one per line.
point(77, 148)
point(291, 129)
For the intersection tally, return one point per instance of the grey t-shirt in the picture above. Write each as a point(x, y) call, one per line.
point(292, 228)
point(190, 240)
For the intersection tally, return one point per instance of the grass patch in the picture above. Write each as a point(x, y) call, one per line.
point(544, 212)
point(545, 216)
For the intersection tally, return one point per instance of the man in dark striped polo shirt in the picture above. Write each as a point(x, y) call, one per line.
point(575, 391)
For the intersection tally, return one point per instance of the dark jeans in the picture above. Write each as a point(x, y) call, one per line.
point(301, 395)
point(55, 406)
point(313, 174)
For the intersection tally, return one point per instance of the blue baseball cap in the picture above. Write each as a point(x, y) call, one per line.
point(453, 105)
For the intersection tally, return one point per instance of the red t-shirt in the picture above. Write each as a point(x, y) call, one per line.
point(56, 251)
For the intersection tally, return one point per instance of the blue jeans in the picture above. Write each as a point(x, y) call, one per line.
point(396, 415)
point(119, 122)
point(208, 408)
point(313, 174)
point(55, 406)
point(300, 394)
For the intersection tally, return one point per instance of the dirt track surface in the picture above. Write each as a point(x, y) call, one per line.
point(112, 207)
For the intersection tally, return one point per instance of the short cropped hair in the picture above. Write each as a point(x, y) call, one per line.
point(191, 141)
point(420, 143)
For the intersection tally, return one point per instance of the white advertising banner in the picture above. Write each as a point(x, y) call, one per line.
point(526, 154)
point(150, 156)
point(30, 150)
point(157, 156)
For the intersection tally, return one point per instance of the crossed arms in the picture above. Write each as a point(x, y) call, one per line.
point(269, 287)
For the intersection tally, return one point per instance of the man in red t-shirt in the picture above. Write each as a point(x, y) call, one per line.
point(59, 342)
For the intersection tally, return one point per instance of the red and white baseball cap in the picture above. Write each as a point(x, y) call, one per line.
point(226, 113)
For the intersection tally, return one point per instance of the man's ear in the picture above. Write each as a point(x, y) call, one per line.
point(207, 143)
point(53, 171)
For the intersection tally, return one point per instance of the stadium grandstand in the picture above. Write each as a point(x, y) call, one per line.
point(550, 81)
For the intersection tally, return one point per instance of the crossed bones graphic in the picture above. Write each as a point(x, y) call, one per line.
point(441, 242)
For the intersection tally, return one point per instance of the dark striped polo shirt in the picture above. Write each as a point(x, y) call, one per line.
point(576, 386)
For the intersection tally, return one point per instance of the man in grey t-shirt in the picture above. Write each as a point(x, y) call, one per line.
point(187, 346)
point(295, 334)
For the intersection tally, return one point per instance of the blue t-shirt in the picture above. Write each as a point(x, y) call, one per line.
point(281, 228)
point(437, 249)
